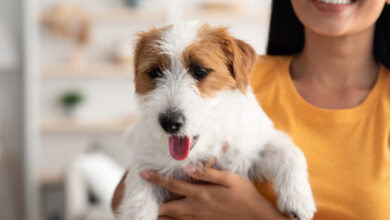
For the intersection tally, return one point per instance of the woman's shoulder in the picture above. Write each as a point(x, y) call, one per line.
point(268, 69)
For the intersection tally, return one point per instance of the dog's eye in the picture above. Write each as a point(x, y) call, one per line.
point(199, 72)
point(155, 73)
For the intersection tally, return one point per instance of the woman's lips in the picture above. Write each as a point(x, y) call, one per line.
point(334, 6)
point(337, 2)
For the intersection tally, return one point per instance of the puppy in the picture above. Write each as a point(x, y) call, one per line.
point(192, 83)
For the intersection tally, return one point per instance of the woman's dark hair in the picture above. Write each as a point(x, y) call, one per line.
point(286, 35)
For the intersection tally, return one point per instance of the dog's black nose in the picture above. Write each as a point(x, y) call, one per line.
point(171, 122)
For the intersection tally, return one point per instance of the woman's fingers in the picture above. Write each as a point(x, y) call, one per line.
point(171, 184)
point(175, 196)
point(210, 175)
point(210, 163)
point(174, 208)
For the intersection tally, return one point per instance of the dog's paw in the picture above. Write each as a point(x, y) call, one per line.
point(306, 214)
point(294, 215)
point(298, 206)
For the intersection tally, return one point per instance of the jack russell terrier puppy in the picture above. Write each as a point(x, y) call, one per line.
point(192, 83)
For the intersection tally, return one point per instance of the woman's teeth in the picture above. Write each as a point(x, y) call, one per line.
point(337, 2)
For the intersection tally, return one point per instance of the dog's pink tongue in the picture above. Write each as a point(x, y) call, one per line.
point(179, 147)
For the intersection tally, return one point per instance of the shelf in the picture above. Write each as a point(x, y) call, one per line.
point(98, 70)
point(51, 178)
point(106, 14)
point(129, 15)
point(68, 126)
point(226, 16)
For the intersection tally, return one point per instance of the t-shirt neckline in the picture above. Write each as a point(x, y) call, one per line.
point(347, 114)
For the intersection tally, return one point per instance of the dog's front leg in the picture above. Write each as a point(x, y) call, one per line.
point(140, 201)
point(282, 163)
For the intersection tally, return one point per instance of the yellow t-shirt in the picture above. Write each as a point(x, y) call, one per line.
point(347, 150)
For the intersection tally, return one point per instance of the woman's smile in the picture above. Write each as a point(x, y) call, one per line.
point(335, 18)
point(333, 5)
point(337, 2)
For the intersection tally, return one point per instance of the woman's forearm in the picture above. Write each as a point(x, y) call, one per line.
point(263, 209)
point(118, 194)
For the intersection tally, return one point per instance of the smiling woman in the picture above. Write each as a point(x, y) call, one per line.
point(329, 92)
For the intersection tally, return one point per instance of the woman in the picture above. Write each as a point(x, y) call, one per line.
point(330, 93)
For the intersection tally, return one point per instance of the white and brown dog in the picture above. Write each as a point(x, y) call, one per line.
point(192, 82)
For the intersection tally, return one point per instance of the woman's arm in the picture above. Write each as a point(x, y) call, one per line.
point(118, 194)
point(228, 197)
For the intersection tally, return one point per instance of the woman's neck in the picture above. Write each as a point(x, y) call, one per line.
point(337, 61)
point(336, 72)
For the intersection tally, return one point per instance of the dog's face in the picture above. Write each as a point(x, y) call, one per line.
point(180, 72)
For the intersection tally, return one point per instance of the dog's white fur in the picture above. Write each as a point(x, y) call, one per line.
point(255, 149)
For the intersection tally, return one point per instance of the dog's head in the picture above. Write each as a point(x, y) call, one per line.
point(180, 72)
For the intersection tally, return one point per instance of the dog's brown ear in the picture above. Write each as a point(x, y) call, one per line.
point(241, 58)
point(243, 61)
point(145, 56)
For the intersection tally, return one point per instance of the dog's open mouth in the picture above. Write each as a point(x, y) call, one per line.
point(180, 146)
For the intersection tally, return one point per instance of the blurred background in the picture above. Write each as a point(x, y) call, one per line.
point(66, 95)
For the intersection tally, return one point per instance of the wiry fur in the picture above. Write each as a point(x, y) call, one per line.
point(255, 149)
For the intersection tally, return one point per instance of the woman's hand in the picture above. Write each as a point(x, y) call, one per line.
point(228, 196)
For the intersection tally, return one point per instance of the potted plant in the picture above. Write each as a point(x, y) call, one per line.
point(71, 100)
